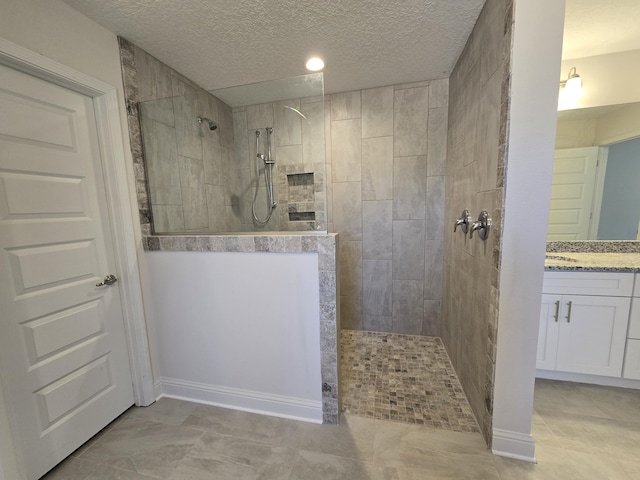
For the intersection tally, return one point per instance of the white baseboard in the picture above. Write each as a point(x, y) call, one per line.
point(245, 400)
point(592, 379)
point(157, 389)
point(513, 445)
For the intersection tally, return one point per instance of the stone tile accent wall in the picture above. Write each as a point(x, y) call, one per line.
point(386, 152)
point(476, 161)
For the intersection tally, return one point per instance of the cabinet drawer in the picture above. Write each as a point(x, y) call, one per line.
point(634, 319)
point(589, 283)
point(632, 360)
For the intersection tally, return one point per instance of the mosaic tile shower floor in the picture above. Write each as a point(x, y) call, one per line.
point(403, 378)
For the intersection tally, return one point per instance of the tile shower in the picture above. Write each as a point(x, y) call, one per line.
point(388, 158)
point(386, 152)
point(204, 180)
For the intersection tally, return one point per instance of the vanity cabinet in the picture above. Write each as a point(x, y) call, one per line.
point(632, 355)
point(583, 322)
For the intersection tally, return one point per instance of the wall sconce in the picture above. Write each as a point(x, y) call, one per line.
point(570, 90)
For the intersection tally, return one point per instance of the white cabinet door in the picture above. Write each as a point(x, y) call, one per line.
point(592, 335)
point(634, 319)
point(548, 333)
point(632, 360)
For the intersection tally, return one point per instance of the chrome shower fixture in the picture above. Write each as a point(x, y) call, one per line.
point(268, 164)
point(212, 125)
point(294, 109)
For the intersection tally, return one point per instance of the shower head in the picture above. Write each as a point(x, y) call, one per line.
point(212, 125)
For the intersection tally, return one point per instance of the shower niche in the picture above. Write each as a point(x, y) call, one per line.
point(301, 197)
point(240, 159)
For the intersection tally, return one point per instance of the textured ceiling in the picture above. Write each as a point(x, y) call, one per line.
point(366, 43)
point(598, 27)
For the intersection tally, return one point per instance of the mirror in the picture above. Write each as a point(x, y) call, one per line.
point(595, 192)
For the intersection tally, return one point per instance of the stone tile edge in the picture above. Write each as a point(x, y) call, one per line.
point(317, 243)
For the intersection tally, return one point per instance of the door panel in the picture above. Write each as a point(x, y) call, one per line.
point(572, 190)
point(63, 355)
point(592, 339)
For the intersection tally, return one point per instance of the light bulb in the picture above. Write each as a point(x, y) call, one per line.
point(315, 64)
point(573, 88)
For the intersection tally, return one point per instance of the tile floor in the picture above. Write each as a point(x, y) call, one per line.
point(404, 378)
point(582, 432)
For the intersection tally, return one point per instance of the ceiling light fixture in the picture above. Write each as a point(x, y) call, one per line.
point(315, 64)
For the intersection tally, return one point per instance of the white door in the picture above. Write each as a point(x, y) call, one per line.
point(593, 332)
point(63, 355)
point(572, 191)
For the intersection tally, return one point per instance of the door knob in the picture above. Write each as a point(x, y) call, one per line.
point(108, 280)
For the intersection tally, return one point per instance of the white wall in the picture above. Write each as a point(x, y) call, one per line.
point(534, 86)
point(240, 329)
point(607, 79)
point(619, 125)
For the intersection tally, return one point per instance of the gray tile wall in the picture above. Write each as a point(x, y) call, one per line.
point(479, 95)
point(386, 151)
point(297, 146)
point(185, 161)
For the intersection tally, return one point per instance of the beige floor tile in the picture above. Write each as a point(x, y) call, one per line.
point(551, 397)
point(185, 441)
point(166, 410)
point(438, 453)
point(78, 469)
point(621, 404)
point(319, 466)
point(560, 464)
point(632, 466)
point(145, 447)
point(399, 438)
point(599, 436)
point(236, 423)
point(448, 468)
point(352, 438)
point(224, 455)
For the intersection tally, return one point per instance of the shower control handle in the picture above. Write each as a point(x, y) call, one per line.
point(463, 222)
point(483, 225)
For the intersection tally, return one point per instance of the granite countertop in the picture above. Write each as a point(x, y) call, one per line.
point(592, 261)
